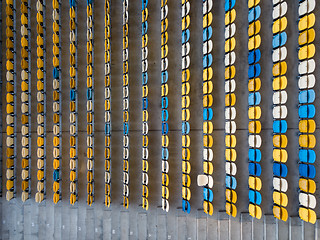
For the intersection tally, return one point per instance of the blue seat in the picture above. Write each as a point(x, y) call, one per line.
point(125, 128)
point(145, 78)
point(144, 103)
point(307, 155)
point(254, 13)
point(164, 77)
point(207, 114)
point(207, 33)
point(207, 60)
point(307, 171)
point(165, 153)
point(307, 96)
point(107, 128)
point(72, 3)
point(254, 169)
point(89, 93)
point(254, 98)
point(89, 2)
point(55, 73)
point(207, 194)
point(144, 4)
point(231, 182)
point(254, 70)
point(279, 39)
point(307, 111)
point(164, 128)
point(164, 115)
point(280, 170)
point(164, 102)
point(56, 175)
point(280, 126)
point(72, 95)
point(229, 5)
point(185, 36)
point(186, 206)
point(254, 56)
point(185, 128)
point(144, 27)
point(255, 197)
point(254, 155)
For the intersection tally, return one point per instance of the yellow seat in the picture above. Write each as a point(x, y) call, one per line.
point(207, 87)
point(207, 167)
point(207, 127)
point(56, 187)
point(254, 112)
point(280, 198)
point(231, 209)
point(254, 127)
point(40, 175)
point(307, 185)
point(307, 215)
point(207, 19)
point(279, 83)
point(10, 99)
point(307, 22)
point(185, 141)
point(279, 25)
point(40, 141)
point(307, 126)
point(9, 185)
point(185, 89)
point(185, 23)
point(56, 164)
point(280, 213)
point(186, 167)
point(125, 202)
point(255, 183)
point(307, 141)
point(73, 199)
point(280, 141)
point(231, 195)
point(73, 176)
point(56, 198)
point(306, 36)
point(307, 51)
point(165, 192)
point(230, 99)
point(186, 153)
point(231, 155)
point(254, 42)
point(186, 114)
point(186, 193)
point(255, 211)
point(230, 72)
point(185, 179)
point(89, 176)
point(252, 3)
point(279, 68)
point(230, 16)
point(254, 28)
point(230, 44)
point(207, 141)
point(208, 207)
point(280, 155)
point(207, 74)
point(231, 141)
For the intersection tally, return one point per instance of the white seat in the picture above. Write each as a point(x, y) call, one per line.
point(10, 141)
point(24, 130)
point(164, 12)
point(229, 31)
point(40, 119)
point(254, 141)
point(72, 129)
point(55, 84)
point(165, 205)
point(165, 167)
point(185, 9)
point(230, 113)
point(230, 127)
point(89, 141)
point(125, 104)
point(39, 197)
point(229, 58)
point(107, 116)
point(125, 141)
point(207, 6)
point(56, 107)
point(107, 177)
point(185, 62)
point(231, 168)
point(73, 187)
point(24, 97)
point(230, 86)
point(125, 153)
point(280, 112)
point(9, 173)
point(164, 64)
point(307, 81)
point(24, 74)
point(40, 186)
point(185, 49)
point(40, 164)
point(25, 152)
point(125, 190)
point(9, 76)
point(56, 152)
point(24, 174)
point(280, 9)
point(280, 184)
point(307, 66)
point(125, 91)
point(72, 164)
point(40, 96)
point(145, 128)
point(40, 152)
point(55, 15)
point(306, 6)
point(144, 53)
point(145, 153)
point(145, 178)
point(207, 47)
point(9, 119)
point(72, 118)
point(279, 54)
point(203, 180)
point(9, 195)
point(24, 196)
point(208, 154)
point(89, 165)
point(24, 108)
point(280, 97)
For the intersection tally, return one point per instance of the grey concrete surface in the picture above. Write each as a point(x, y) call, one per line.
point(46, 221)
